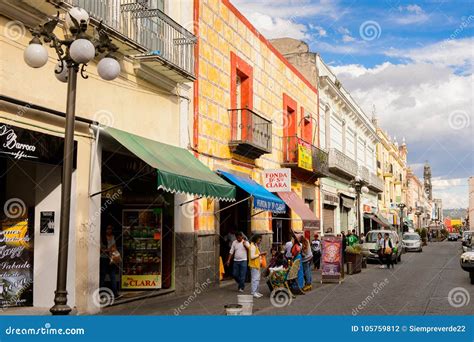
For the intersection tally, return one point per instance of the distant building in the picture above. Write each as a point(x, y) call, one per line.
point(437, 214)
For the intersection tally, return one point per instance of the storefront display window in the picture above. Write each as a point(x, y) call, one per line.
point(141, 250)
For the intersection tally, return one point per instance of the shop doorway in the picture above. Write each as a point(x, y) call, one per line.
point(328, 219)
point(281, 228)
point(140, 218)
point(233, 218)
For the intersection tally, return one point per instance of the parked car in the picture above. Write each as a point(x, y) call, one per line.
point(412, 242)
point(453, 237)
point(369, 247)
point(467, 264)
point(465, 234)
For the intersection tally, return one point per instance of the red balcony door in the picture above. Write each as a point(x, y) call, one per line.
point(306, 127)
point(241, 91)
point(290, 123)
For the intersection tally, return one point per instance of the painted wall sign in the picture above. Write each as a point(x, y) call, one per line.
point(16, 263)
point(277, 180)
point(331, 258)
point(143, 282)
point(47, 223)
point(305, 158)
point(23, 144)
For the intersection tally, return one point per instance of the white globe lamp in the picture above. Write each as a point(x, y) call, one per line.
point(63, 75)
point(35, 55)
point(108, 68)
point(78, 14)
point(82, 51)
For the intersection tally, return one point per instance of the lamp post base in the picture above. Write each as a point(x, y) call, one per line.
point(60, 307)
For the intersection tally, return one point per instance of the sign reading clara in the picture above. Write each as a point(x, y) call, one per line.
point(277, 180)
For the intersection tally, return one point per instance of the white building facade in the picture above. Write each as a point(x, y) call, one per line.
point(350, 138)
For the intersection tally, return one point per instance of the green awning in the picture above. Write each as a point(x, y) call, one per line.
point(178, 170)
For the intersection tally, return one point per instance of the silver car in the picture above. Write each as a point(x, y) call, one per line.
point(412, 242)
point(369, 247)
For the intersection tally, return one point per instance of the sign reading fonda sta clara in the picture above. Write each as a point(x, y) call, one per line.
point(277, 180)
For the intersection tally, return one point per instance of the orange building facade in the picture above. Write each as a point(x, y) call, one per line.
point(253, 111)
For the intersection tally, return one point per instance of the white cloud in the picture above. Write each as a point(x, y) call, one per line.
point(290, 8)
point(453, 192)
point(276, 18)
point(347, 38)
point(450, 53)
point(278, 27)
point(343, 30)
point(411, 14)
point(321, 32)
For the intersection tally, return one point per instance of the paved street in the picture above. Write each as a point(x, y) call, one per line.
point(418, 286)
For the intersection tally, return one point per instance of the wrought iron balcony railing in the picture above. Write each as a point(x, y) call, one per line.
point(364, 173)
point(320, 162)
point(251, 133)
point(158, 37)
point(341, 164)
point(304, 158)
point(376, 183)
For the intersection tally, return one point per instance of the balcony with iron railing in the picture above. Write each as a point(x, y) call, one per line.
point(251, 133)
point(147, 34)
point(341, 164)
point(306, 160)
point(376, 183)
point(364, 173)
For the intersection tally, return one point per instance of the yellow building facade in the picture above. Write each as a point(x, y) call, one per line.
point(392, 166)
point(252, 110)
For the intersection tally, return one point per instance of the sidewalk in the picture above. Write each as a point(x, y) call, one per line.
point(208, 302)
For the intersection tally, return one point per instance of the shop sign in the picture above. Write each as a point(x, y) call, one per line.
point(277, 180)
point(16, 263)
point(23, 144)
point(47, 223)
point(305, 158)
point(367, 208)
point(274, 207)
point(331, 258)
point(141, 282)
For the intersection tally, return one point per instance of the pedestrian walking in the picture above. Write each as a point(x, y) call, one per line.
point(380, 242)
point(388, 250)
point(288, 247)
point(316, 249)
point(109, 260)
point(307, 259)
point(254, 264)
point(239, 251)
point(351, 238)
point(296, 255)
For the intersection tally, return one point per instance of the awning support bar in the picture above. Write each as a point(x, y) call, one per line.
point(257, 213)
point(245, 199)
point(196, 199)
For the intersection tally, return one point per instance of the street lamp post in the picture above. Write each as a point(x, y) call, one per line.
point(358, 186)
point(74, 52)
point(402, 207)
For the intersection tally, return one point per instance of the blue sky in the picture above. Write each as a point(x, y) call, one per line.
point(412, 60)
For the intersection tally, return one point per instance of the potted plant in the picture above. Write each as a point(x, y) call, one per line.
point(354, 255)
point(424, 235)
